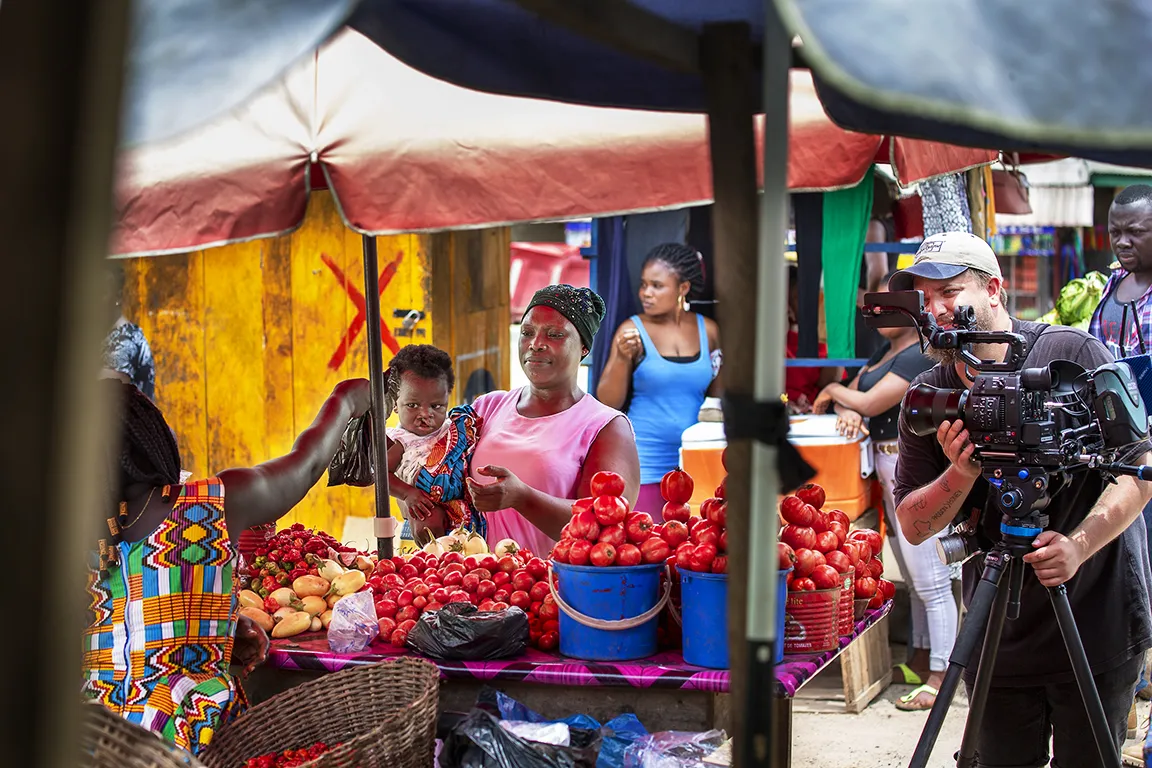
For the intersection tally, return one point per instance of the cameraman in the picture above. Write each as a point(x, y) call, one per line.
point(1091, 543)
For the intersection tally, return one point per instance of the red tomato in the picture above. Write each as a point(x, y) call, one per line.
point(500, 578)
point(867, 534)
point(676, 486)
point(803, 584)
point(826, 577)
point(486, 605)
point(586, 526)
point(886, 588)
point(654, 550)
point(628, 554)
point(420, 602)
point(406, 625)
point(877, 600)
point(841, 532)
point(500, 595)
point(561, 550)
point(638, 526)
point(522, 580)
point(702, 557)
point(856, 550)
point(810, 493)
point(826, 541)
point(538, 568)
point(471, 563)
point(452, 558)
point(819, 521)
point(440, 595)
point(607, 484)
point(722, 489)
point(394, 581)
point(408, 571)
point(674, 510)
point(787, 556)
point(471, 583)
point(865, 587)
point(489, 562)
point(706, 508)
point(549, 641)
point(578, 554)
point(507, 564)
point(684, 555)
point(549, 610)
point(432, 607)
point(455, 568)
point(610, 509)
point(838, 560)
point(806, 562)
point(798, 537)
point(420, 589)
point(453, 579)
point(408, 613)
point(718, 513)
point(839, 517)
point(520, 599)
point(387, 627)
point(551, 625)
point(603, 554)
point(720, 564)
point(399, 638)
point(796, 512)
point(386, 609)
point(707, 533)
point(383, 568)
point(459, 596)
point(675, 533)
point(538, 591)
point(566, 531)
point(485, 589)
point(875, 568)
point(500, 605)
point(405, 598)
point(614, 535)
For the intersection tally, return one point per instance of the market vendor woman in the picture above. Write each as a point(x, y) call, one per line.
point(163, 609)
point(540, 444)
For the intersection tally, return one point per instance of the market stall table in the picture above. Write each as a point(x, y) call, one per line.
point(663, 691)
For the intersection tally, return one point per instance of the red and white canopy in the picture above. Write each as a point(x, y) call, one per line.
point(404, 152)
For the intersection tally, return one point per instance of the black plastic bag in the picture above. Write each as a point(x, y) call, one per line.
point(479, 741)
point(354, 462)
point(462, 631)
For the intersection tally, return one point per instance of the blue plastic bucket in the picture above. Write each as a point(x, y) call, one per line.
point(615, 593)
point(704, 617)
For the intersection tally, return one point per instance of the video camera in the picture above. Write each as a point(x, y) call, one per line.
point(1030, 427)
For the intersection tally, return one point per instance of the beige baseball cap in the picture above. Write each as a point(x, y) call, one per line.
point(945, 255)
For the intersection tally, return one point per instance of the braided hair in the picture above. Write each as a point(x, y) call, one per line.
point(684, 260)
point(145, 452)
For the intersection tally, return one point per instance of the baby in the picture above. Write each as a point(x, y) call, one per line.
point(428, 453)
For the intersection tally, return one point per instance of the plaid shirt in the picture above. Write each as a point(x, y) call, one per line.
point(1137, 330)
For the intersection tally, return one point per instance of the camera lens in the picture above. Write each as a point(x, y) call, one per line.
point(954, 548)
point(926, 406)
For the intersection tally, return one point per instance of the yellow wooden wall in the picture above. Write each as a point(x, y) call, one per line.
point(244, 337)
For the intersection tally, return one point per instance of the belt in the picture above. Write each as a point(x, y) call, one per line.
point(888, 448)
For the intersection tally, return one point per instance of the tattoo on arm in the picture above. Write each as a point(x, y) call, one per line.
point(925, 528)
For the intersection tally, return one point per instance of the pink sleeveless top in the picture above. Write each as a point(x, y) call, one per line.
point(546, 453)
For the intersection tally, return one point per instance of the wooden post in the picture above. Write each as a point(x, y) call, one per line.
point(726, 57)
point(61, 71)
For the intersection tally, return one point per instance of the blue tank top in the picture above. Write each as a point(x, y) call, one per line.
point(666, 399)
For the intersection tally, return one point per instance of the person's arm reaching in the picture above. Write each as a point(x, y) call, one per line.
point(1057, 557)
point(268, 491)
point(613, 450)
point(926, 511)
point(884, 395)
point(616, 378)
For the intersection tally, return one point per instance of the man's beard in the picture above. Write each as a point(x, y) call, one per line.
point(985, 321)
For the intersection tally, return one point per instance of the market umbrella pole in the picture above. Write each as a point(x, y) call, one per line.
point(752, 368)
point(385, 526)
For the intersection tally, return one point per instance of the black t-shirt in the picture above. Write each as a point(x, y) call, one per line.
point(1109, 593)
point(907, 364)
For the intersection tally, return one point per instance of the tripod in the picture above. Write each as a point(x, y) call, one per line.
point(997, 598)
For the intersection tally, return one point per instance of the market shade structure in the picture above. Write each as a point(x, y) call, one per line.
point(405, 152)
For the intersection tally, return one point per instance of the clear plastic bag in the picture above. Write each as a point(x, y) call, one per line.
point(461, 631)
point(674, 749)
point(354, 624)
point(354, 463)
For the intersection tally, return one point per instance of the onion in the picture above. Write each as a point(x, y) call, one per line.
point(506, 547)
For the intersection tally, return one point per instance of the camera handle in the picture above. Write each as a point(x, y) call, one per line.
point(985, 620)
point(963, 340)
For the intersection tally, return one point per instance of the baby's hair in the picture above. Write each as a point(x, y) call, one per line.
point(423, 360)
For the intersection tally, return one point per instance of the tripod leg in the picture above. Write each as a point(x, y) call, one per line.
point(972, 631)
point(1096, 717)
point(966, 757)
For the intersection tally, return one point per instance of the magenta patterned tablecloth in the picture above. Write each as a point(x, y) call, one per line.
point(666, 670)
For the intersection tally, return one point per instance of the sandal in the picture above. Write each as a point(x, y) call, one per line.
point(913, 701)
point(907, 676)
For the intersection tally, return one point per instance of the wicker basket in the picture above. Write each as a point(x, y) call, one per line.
point(383, 715)
point(109, 741)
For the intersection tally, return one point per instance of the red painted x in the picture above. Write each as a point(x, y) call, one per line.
point(357, 298)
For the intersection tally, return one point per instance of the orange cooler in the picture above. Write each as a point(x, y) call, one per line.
point(841, 465)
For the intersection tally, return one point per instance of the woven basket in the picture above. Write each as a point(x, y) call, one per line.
point(109, 741)
point(383, 715)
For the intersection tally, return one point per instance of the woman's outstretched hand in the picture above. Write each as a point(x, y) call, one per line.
point(507, 492)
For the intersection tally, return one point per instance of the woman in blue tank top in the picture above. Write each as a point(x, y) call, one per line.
point(663, 364)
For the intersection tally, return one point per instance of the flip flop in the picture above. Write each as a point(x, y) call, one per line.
point(908, 703)
point(909, 677)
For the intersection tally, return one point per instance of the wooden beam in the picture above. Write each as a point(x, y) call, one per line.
point(61, 72)
point(726, 54)
point(624, 27)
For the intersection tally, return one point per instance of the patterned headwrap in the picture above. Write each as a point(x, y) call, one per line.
point(582, 306)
